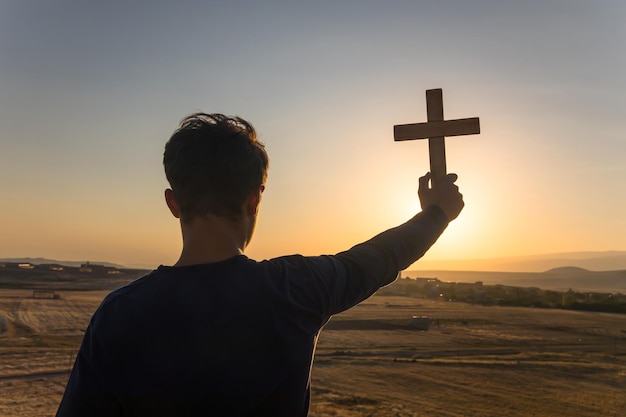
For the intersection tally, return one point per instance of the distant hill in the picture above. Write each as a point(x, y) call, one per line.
point(558, 279)
point(39, 261)
point(567, 270)
point(593, 261)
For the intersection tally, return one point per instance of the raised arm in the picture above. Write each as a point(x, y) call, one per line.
point(336, 283)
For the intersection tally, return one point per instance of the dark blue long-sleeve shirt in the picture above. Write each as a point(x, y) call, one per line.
point(232, 338)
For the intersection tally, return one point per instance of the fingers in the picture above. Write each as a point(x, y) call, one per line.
point(452, 177)
point(423, 181)
point(443, 182)
point(446, 182)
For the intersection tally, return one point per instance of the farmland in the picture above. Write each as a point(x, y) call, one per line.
point(474, 360)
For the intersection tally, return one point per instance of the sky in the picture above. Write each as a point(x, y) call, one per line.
point(91, 91)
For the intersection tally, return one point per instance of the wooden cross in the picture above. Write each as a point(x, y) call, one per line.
point(436, 129)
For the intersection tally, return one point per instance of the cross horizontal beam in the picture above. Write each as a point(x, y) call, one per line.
point(457, 127)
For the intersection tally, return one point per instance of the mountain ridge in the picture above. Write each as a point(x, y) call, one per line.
point(40, 261)
point(594, 261)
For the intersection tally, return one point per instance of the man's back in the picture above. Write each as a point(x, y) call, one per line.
point(221, 338)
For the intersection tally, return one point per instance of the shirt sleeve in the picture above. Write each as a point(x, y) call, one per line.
point(332, 284)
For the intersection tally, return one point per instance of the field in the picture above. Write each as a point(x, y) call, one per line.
point(473, 361)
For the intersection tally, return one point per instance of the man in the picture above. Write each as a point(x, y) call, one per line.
point(217, 333)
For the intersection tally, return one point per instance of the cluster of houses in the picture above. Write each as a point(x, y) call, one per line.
point(86, 267)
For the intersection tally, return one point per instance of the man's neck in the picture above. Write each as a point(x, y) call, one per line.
point(211, 239)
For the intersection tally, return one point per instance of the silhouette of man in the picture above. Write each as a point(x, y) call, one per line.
point(217, 333)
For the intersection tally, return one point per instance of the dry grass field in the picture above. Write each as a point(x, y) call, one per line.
point(473, 361)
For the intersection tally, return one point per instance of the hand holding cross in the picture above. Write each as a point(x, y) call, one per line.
point(436, 129)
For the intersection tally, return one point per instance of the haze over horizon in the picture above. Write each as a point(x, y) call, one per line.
point(590, 261)
point(89, 93)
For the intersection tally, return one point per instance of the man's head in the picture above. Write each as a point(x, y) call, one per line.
point(213, 163)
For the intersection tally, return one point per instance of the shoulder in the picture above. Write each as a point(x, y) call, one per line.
point(303, 266)
point(135, 286)
point(120, 306)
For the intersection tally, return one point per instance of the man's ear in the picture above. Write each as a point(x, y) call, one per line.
point(171, 203)
point(253, 201)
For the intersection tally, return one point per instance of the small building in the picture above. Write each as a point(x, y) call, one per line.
point(45, 294)
point(26, 266)
point(420, 322)
point(424, 281)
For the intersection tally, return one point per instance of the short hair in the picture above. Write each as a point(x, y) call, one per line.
point(213, 162)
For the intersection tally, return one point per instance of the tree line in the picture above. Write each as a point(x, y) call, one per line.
point(505, 295)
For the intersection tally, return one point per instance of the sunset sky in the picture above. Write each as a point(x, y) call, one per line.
point(91, 91)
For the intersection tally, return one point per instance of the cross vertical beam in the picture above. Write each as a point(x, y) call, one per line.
point(436, 144)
